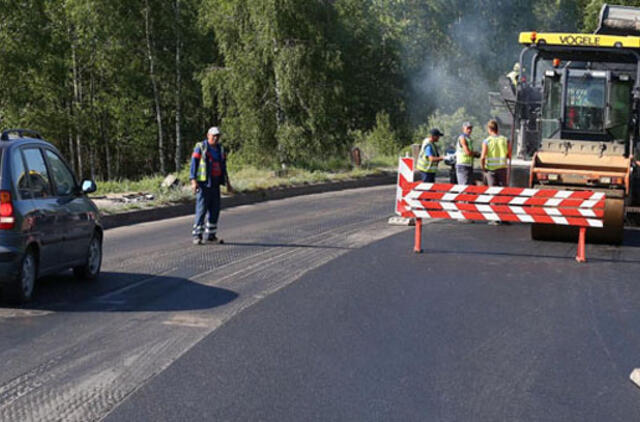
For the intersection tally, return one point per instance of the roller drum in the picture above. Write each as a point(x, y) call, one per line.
point(612, 232)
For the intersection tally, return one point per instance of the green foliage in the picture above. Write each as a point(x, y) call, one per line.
point(279, 88)
point(295, 82)
point(144, 185)
point(82, 79)
point(377, 144)
point(382, 137)
point(450, 125)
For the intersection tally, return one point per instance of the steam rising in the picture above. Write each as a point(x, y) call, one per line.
point(463, 73)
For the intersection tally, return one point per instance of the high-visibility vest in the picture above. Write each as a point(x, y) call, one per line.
point(462, 159)
point(497, 151)
point(424, 164)
point(201, 175)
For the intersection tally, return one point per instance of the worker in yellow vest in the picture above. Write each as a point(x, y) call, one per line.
point(208, 172)
point(514, 75)
point(465, 155)
point(429, 157)
point(496, 151)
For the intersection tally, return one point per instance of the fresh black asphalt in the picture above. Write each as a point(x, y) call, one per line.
point(486, 325)
point(79, 349)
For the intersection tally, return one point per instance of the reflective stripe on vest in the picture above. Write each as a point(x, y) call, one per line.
point(497, 150)
point(202, 165)
point(462, 159)
point(424, 164)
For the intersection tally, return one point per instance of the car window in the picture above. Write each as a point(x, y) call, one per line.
point(38, 175)
point(63, 179)
point(19, 175)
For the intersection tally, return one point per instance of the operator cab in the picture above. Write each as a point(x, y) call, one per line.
point(586, 105)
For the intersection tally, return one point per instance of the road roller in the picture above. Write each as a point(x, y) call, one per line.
point(578, 113)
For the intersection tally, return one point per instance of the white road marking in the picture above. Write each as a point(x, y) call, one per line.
point(6, 313)
point(193, 321)
point(635, 376)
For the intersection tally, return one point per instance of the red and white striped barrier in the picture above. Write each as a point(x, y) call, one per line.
point(519, 205)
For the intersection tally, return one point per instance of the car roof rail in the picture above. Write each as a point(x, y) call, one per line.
point(20, 132)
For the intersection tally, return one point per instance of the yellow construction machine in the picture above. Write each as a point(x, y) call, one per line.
point(577, 110)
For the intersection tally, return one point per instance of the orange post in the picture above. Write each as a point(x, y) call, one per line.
point(417, 248)
point(580, 257)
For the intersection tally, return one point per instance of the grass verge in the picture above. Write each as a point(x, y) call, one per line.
point(244, 179)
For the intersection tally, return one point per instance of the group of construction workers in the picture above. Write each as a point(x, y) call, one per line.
point(494, 156)
point(209, 170)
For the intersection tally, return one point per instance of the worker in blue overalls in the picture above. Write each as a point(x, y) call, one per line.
point(208, 173)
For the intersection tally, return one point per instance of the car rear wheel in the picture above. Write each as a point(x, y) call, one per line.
point(91, 269)
point(21, 290)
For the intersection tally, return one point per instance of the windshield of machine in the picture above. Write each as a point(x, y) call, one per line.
point(585, 104)
point(551, 107)
point(619, 110)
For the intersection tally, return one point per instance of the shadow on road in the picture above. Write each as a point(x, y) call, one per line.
point(125, 292)
point(590, 257)
point(595, 252)
point(631, 237)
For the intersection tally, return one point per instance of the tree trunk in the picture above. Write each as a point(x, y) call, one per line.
point(72, 156)
point(156, 96)
point(92, 164)
point(118, 160)
point(91, 144)
point(280, 114)
point(105, 144)
point(178, 157)
point(77, 99)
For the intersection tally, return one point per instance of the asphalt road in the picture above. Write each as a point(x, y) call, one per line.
point(81, 348)
point(316, 309)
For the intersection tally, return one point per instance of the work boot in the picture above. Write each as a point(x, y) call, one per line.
point(197, 241)
point(213, 239)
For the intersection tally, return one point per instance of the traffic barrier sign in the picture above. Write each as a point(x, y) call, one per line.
point(419, 200)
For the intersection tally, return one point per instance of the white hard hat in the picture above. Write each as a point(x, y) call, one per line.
point(213, 130)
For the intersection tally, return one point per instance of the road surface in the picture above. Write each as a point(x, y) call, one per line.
point(316, 309)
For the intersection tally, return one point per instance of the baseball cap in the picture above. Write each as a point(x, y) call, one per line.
point(436, 132)
point(213, 130)
point(467, 124)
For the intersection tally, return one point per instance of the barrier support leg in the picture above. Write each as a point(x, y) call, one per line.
point(580, 257)
point(417, 248)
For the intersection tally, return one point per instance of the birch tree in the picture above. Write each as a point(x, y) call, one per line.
point(154, 84)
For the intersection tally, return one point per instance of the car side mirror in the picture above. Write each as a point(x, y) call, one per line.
point(88, 186)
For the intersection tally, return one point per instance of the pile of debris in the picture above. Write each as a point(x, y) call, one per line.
point(114, 199)
point(117, 200)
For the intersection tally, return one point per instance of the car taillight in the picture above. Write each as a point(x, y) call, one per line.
point(7, 220)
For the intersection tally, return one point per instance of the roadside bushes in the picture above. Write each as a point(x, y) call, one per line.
point(450, 124)
point(380, 144)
